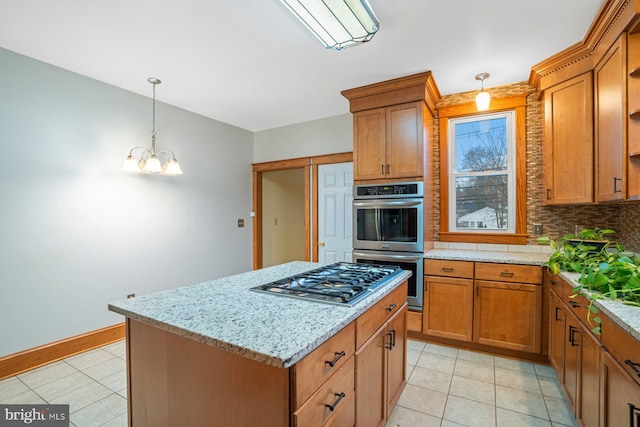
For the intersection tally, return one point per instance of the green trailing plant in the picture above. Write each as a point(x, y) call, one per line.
point(606, 273)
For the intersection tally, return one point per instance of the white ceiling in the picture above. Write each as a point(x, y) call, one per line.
point(249, 63)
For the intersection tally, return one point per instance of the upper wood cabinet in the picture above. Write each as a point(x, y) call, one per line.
point(568, 144)
point(388, 142)
point(393, 128)
point(610, 124)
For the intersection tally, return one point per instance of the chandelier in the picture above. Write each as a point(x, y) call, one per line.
point(148, 161)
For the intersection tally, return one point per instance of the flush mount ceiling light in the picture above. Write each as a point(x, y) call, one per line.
point(148, 162)
point(483, 98)
point(336, 23)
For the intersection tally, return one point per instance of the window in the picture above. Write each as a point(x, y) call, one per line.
point(483, 182)
point(481, 173)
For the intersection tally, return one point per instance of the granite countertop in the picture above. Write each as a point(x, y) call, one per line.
point(626, 316)
point(224, 313)
point(526, 258)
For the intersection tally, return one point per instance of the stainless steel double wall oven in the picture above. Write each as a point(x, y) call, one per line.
point(388, 229)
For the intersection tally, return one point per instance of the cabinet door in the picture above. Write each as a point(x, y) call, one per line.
point(587, 412)
point(371, 381)
point(619, 391)
point(556, 335)
point(448, 308)
point(610, 123)
point(571, 359)
point(568, 144)
point(369, 144)
point(508, 315)
point(404, 141)
point(396, 360)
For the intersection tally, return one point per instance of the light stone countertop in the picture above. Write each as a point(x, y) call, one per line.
point(626, 316)
point(224, 313)
point(526, 258)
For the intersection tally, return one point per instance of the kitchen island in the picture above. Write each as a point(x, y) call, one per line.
point(216, 353)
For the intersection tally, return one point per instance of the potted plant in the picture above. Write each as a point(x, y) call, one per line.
point(596, 238)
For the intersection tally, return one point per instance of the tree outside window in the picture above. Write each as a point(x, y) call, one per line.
point(481, 173)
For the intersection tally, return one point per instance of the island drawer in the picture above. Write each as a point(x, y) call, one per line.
point(578, 304)
point(329, 402)
point(447, 268)
point(312, 371)
point(622, 346)
point(509, 273)
point(376, 316)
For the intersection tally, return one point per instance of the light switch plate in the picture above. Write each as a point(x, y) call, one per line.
point(537, 229)
point(240, 223)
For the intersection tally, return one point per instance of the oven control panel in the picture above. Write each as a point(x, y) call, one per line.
point(400, 189)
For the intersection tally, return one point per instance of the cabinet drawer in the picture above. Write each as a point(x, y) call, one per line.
point(446, 268)
point(509, 273)
point(622, 346)
point(315, 368)
point(374, 318)
point(554, 282)
point(316, 410)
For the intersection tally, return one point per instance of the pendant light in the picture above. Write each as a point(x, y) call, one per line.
point(483, 98)
point(336, 23)
point(148, 162)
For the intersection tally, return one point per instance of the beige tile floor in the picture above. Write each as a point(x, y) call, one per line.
point(446, 387)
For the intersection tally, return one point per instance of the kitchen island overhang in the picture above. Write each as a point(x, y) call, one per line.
point(225, 314)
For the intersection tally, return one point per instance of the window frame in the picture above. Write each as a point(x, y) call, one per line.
point(518, 104)
point(510, 171)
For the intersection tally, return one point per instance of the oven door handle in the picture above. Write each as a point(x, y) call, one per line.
point(387, 257)
point(386, 203)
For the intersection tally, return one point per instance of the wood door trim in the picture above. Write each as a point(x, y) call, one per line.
point(16, 363)
point(310, 166)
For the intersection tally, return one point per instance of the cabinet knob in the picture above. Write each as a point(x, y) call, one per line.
point(321, 244)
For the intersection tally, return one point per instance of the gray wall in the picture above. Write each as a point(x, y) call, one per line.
point(313, 138)
point(75, 233)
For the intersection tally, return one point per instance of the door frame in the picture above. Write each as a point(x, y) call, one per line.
point(310, 166)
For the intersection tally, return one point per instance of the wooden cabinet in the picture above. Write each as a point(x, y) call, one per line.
point(381, 370)
point(448, 308)
point(502, 307)
point(620, 395)
point(388, 142)
point(633, 102)
point(568, 143)
point(610, 123)
point(556, 335)
point(393, 129)
point(582, 372)
point(448, 299)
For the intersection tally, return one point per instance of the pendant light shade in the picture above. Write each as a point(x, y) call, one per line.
point(148, 162)
point(336, 23)
point(483, 98)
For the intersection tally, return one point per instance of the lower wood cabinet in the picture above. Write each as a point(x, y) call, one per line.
point(497, 305)
point(620, 395)
point(381, 371)
point(448, 308)
point(556, 335)
point(508, 315)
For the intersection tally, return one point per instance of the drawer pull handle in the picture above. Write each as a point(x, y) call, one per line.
point(506, 274)
point(634, 410)
point(553, 282)
point(634, 366)
point(391, 307)
point(390, 345)
point(572, 338)
point(332, 407)
point(574, 304)
point(557, 309)
point(449, 269)
point(615, 185)
point(548, 194)
point(334, 361)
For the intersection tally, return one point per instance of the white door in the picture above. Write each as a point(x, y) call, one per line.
point(335, 195)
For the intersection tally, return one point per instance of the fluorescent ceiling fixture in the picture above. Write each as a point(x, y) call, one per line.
point(336, 23)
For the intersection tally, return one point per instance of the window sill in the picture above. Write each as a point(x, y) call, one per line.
point(501, 238)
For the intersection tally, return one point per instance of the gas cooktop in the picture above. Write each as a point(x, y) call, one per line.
point(342, 283)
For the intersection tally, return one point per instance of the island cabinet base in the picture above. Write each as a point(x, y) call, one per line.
point(175, 381)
